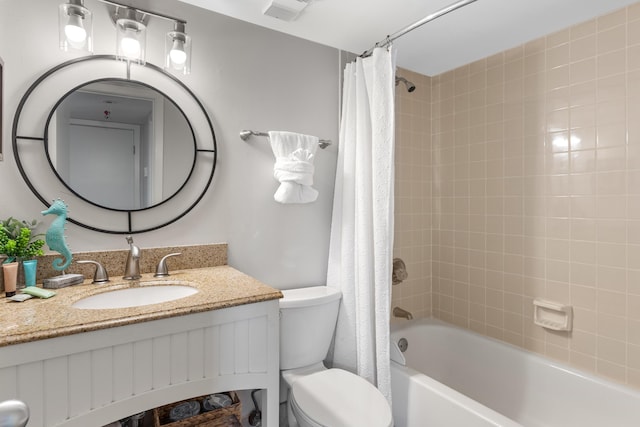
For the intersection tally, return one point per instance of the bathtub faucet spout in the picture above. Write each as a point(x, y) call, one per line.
point(400, 312)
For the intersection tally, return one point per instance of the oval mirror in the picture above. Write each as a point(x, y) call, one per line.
point(120, 144)
point(129, 148)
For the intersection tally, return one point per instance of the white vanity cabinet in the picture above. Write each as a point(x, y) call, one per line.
point(93, 378)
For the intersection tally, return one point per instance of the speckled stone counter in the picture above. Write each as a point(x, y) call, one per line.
point(37, 319)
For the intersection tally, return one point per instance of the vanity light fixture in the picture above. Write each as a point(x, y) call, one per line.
point(75, 26)
point(177, 49)
point(131, 33)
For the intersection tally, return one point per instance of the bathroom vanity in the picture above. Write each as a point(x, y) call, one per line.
point(89, 367)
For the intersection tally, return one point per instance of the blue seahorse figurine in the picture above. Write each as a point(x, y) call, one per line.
point(55, 234)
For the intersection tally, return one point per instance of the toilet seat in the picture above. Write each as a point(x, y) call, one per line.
point(338, 398)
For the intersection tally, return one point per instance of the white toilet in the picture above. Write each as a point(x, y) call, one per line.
point(318, 396)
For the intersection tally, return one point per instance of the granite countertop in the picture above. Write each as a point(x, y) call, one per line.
point(37, 319)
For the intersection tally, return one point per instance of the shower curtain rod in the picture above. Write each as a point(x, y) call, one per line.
point(389, 39)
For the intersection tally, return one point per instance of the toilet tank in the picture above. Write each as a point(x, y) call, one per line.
point(307, 321)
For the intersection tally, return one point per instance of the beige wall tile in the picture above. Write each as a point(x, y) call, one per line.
point(613, 327)
point(413, 194)
point(613, 19)
point(584, 47)
point(612, 303)
point(584, 296)
point(558, 55)
point(612, 87)
point(583, 71)
point(612, 351)
point(611, 278)
point(584, 29)
point(633, 12)
point(583, 361)
point(558, 38)
point(612, 39)
point(585, 319)
point(611, 370)
point(560, 77)
point(611, 63)
point(582, 94)
point(518, 176)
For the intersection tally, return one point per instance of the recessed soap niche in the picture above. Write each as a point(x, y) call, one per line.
point(552, 315)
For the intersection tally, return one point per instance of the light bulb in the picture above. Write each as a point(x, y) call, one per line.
point(74, 31)
point(75, 26)
point(177, 54)
point(130, 47)
point(178, 57)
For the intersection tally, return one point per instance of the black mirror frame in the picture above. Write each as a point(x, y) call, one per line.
point(130, 229)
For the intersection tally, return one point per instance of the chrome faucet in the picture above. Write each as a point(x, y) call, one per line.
point(132, 268)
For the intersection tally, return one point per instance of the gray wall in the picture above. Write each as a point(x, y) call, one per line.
point(247, 77)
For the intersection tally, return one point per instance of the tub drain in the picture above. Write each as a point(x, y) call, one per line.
point(403, 344)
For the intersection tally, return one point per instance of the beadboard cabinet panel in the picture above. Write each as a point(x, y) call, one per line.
point(98, 377)
point(142, 366)
point(56, 388)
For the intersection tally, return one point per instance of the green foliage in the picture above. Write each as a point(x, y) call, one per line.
point(16, 241)
point(12, 226)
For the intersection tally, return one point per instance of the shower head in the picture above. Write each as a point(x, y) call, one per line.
point(410, 86)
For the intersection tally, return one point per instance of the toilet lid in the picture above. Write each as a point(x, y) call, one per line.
point(338, 398)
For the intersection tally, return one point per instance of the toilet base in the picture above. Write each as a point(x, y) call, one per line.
point(335, 397)
point(288, 377)
point(291, 419)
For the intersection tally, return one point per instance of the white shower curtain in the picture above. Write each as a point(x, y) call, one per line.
point(361, 247)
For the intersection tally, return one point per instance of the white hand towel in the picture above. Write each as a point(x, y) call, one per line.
point(294, 168)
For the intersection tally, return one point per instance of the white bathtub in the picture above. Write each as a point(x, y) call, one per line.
point(453, 377)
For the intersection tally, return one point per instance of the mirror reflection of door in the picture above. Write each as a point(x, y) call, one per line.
point(164, 153)
point(104, 163)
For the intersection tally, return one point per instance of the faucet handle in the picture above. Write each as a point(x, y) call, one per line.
point(161, 269)
point(100, 275)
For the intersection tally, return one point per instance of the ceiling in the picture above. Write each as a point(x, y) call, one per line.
point(473, 32)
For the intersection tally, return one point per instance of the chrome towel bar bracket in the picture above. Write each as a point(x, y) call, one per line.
point(245, 134)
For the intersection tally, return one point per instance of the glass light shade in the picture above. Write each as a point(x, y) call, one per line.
point(75, 24)
point(131, 40)
point(177, 52)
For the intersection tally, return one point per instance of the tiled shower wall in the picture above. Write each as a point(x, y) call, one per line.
point(412, 241)
point(536, 193)
point(525, 183)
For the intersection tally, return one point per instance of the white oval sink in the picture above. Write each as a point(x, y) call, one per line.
point(135, 297)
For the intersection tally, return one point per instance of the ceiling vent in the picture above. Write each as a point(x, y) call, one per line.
point(287, 10)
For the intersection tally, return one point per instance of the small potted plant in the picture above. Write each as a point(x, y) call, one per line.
point(19, 246)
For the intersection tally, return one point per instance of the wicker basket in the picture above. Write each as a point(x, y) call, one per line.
point(223, 417)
